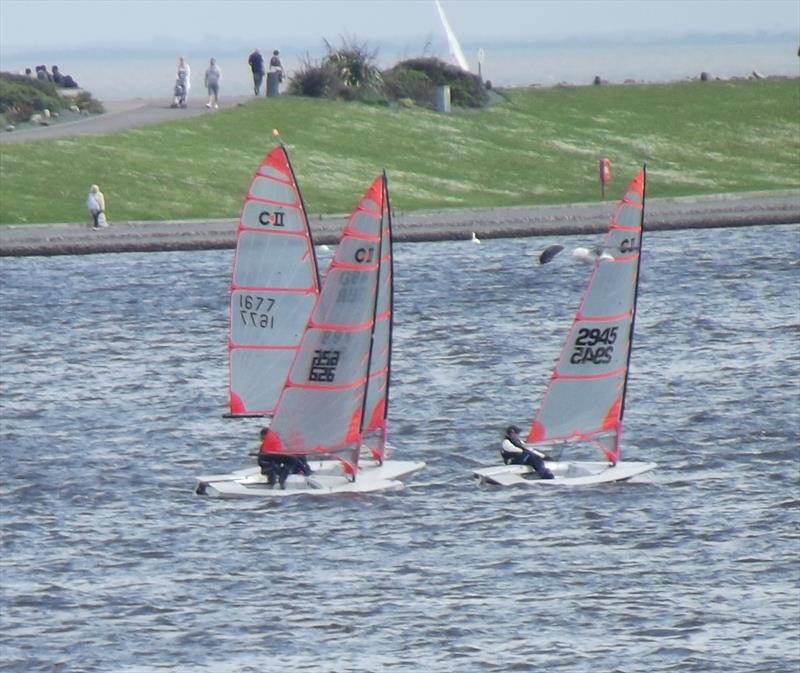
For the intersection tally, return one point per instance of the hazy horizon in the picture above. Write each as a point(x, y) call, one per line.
point(231, 45)
point(149, 73)
point(36, 25)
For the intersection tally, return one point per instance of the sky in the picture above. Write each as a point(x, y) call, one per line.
point(38, 25)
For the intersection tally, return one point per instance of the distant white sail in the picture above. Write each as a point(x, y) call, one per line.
point(455, 48)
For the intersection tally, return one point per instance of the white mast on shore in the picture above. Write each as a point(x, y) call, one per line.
point(456, 54)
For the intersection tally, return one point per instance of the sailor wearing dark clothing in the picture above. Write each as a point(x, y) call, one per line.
point(270, 467)
point(515, 452)
point(278, 466)
point(299, 465)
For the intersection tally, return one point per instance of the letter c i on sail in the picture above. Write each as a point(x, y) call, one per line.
point(364, 255)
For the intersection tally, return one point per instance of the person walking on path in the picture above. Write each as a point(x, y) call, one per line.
point(256, 61)
point(213, 76)
point(275, 64)
point(96, 203)
point(182, 83)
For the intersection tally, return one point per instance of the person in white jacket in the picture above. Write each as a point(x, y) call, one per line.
point(515, 452)
point(182, 83)
point(96, 203)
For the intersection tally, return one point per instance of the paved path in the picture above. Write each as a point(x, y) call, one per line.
point(555, 221)
point(121, 116)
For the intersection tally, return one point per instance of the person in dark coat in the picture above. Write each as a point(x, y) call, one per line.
point(278, 466)
point(515, 452)
point(256, 61)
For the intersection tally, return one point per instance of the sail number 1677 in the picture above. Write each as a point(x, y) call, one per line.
point(255, 311)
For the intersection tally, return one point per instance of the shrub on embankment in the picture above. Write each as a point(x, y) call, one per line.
point(350, 72)
point(536, 146)
point(21, 97)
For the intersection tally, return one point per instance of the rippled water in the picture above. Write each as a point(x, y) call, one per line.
point(114, 380)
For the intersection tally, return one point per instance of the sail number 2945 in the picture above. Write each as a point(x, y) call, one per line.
point(594, 345)
point(255, 311)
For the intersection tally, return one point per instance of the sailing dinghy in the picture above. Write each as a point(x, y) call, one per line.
point(585, 399)
point(334, 402)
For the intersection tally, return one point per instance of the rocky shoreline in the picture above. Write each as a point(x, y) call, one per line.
point(586, 218)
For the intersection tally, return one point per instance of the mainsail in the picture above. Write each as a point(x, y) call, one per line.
point(274, 286)
point(585, 398)
point(376, 401)
point(331, 397)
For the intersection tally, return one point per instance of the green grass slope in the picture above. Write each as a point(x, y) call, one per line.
point(533, 147)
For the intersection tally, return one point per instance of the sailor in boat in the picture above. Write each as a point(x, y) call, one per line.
point(278, 466)
point(515, 452)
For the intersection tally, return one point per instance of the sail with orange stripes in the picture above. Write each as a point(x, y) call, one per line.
point(585, 398)
point(274, 286)
point(337, 387)
point(376, 400)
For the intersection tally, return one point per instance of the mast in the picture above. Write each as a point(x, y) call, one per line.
point(635, 294)
point(391, 294)
point(305, 214)
point(374, 310)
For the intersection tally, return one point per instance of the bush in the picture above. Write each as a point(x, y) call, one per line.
point(85, 101)
point(350, 73)
point(22, 96)
point(403, 84)
point(466, 89)
point(313, 81)
point(354, 65)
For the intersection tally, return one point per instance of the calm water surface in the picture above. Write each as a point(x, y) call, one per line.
point(113, 371)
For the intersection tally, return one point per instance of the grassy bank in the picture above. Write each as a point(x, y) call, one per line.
point(533, 147)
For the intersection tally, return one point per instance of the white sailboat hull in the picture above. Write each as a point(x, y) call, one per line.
point(327, 478)
point(567, 473)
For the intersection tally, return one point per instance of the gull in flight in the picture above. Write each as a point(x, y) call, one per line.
point(589, 256)
point(549, 252)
